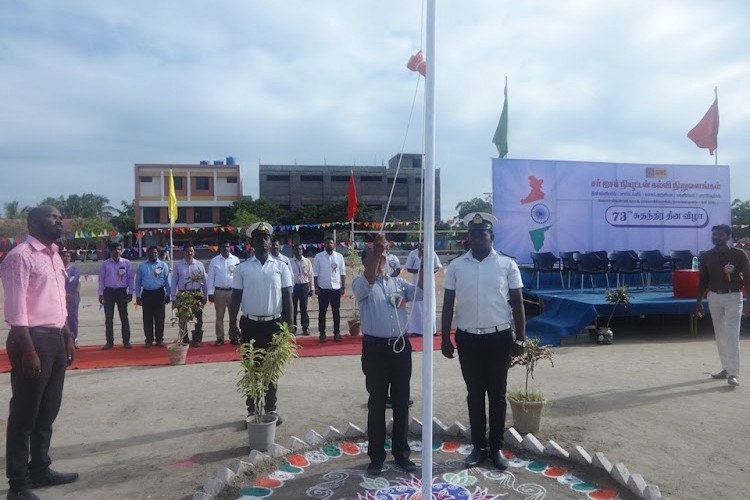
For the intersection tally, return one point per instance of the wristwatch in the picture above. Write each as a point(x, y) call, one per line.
point(521, 343)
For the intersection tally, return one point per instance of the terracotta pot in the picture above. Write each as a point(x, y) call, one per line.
point(177, 353)
point(354, 327)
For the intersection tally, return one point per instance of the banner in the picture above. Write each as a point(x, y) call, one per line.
point(554, 206)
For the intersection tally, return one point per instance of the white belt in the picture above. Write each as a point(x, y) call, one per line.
point(484, 331)
point(261, 318)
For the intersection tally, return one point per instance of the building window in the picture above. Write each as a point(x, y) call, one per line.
point(202, 215)
point(150, 215)
point(339, 178)
point(201, 183)
point(400, 208)
point(371, 178)
point(277, 178)
point(178, 183)
point(147, 178)
point(375, 206)
point(311, 178)
point(224, 213)
point(231, 180)
point(399, 180)
point(181, 214)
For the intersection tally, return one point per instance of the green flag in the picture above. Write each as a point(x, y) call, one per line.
point(501, 134)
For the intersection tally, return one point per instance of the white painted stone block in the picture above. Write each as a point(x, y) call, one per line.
point(314, 438)
point(512, 439)
point(332, 434)
point(652, 492)
point(581, 456)
point(276, 451)
point(555, 450)
point(438, 427)
point(257, 457)
point(239, 466)
point(225, 475)
point(202, 495)
point(620, 473)
point(599, 460)
point(353, 432)
point(637, 484)
point(415, 427)
point(389, 426)
point(456, 429)
point(531, 443)
point(296, 444)
point(212, 486)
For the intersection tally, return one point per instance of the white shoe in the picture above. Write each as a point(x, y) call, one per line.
point(733, 380)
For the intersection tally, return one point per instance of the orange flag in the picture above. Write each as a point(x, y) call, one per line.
point(706, 134)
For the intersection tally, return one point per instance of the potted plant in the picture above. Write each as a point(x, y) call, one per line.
point(618, 296)
point(354, 265)
point(186, 305)
point(527, 406)
point(262, 368)
point(354, 322)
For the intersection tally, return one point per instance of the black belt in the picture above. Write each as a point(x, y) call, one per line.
point(192, 290)
point(222, 288)
point(261, 318)
point(153, 289)
point(731, 290)
point(381, 340)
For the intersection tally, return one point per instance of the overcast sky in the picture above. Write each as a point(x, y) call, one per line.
point(92, 87)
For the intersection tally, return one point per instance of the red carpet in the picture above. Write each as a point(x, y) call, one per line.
point(89, 357)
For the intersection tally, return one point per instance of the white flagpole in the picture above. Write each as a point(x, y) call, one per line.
point(716, 153)
point(428, 309)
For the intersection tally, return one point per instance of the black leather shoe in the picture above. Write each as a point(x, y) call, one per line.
point(107, 347)
point(52, 478)
point(219, 342)
point(375, 468)
point(234, 342)
point(148, 344)
point(476, 457)
point(498, 459)
point(306, 333)
point(159, 343)
point(196, 343)
point(406, 465)
point(323, 339)
point(337, 338)
point(127, 345)
point(23, 494)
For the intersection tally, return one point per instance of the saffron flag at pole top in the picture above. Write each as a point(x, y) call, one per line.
point(172, 200)
point(351, 196)
point(417, 63)
point(706, 133)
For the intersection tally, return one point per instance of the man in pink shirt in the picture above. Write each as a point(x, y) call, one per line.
point(39, 348)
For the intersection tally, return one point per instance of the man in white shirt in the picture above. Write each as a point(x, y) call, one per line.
point(329, 273)
point(262, 292)
point(393, 265)
point(484, 281)
point(302, 273)
point(413, 266)
point(276, 252)
point(219, 284)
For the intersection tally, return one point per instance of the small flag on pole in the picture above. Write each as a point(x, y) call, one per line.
point(172, 200)
point(706, 134)
point(351, 196)
point(501, 134)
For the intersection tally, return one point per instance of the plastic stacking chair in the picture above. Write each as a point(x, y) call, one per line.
point(592, 264)
point(681, 259)
point(546, 262)
point(654, 262)
point(626, 262)
point(569, 264)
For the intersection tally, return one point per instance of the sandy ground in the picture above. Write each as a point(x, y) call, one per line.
point(646, 401)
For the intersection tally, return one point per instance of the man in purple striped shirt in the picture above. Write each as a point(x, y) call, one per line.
point(116, 288)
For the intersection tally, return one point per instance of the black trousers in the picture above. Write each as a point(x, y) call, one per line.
point(119, 297)
point(33, 406)
point(262, 332)
point(385, 369)
point(300, 294)
point(152, 302)
point(484, 365)
point(328, 296)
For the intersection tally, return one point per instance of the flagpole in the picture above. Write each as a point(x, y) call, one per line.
point(716, 153)
point(428, 257)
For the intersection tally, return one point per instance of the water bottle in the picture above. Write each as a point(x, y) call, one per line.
point(696, 264)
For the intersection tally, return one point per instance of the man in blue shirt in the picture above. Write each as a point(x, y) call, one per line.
point(152, 293)
point(386, 355)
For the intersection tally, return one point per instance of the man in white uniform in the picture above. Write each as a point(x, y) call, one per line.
point(329, 272)
point(262, 292)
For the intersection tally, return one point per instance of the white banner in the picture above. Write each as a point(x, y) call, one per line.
point(554, 206)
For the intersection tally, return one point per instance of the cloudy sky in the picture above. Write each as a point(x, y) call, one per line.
point(91, 88)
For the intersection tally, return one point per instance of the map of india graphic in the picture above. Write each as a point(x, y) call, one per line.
point(541, 211)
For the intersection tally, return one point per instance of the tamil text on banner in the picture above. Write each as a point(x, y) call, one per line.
point(567, 206)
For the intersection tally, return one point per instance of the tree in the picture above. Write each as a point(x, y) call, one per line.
point(255, 210)
point(11, 209)
point(740, 219)
point(474, 205)
point(124, 221)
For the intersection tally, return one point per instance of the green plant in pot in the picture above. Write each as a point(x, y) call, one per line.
point(527, 405)
point(186, 306)
point(262, 368)
point(618, 297)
